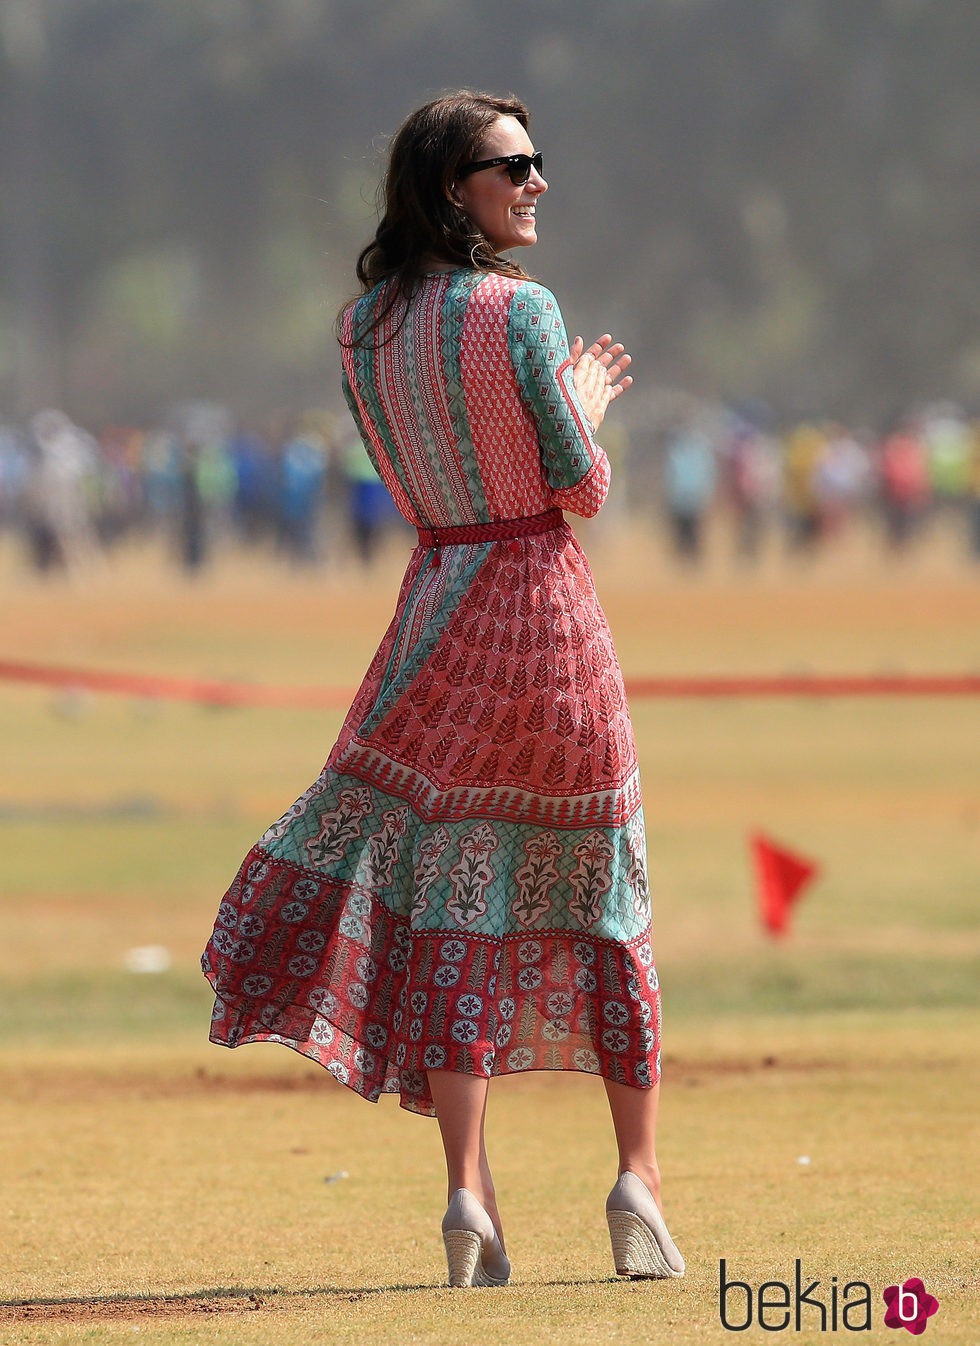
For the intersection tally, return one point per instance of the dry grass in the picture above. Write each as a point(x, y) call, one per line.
point(154, 1186)
point(187, 1195)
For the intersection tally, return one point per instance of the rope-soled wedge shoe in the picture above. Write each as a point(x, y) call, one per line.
point(473, 1250)
point(641, 1245)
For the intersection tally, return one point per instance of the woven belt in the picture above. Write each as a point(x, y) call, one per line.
point(498, 531)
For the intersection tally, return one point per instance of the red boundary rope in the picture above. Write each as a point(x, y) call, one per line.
point(213, 693)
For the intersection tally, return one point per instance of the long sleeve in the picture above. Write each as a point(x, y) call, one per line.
point(358, 419)
point(575, 466)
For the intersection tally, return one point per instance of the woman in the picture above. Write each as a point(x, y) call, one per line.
point(462, 892)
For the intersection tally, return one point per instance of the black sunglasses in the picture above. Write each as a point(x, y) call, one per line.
point(518, 166)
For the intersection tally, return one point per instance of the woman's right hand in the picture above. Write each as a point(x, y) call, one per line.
point(599, 374)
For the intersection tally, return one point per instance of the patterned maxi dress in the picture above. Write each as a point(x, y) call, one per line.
point(464, 885)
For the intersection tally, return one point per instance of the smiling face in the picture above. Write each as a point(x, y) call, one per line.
point(502, 212)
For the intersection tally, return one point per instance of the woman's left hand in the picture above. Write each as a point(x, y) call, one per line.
point(599, 374)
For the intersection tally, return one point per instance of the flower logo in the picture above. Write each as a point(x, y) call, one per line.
point(909, 1306)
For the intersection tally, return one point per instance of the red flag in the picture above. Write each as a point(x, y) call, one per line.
point(780, 877)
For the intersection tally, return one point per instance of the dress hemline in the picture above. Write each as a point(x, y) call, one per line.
point(310, 1051)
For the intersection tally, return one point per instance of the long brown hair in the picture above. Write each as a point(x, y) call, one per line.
point(420, 218)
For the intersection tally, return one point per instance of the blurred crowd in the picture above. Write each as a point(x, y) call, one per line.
point(300, 486)
point(303, 488)
point(811, 480)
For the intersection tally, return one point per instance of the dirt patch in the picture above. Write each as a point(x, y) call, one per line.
point(26, 1086)
point(99, 1309)
point(107, 1308)
point(688, 1071)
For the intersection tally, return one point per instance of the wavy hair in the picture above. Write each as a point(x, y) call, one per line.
point(421, 219)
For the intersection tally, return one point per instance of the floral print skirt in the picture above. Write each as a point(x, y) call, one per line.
point(464, 885)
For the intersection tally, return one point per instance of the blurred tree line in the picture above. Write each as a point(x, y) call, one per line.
point(777, 198)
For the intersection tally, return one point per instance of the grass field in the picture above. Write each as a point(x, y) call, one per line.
point(155, 1186)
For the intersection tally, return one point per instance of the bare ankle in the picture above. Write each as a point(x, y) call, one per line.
point(649, 1175)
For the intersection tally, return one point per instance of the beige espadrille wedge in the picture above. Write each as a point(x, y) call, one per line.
point(641, 1245)
point(473, 1249)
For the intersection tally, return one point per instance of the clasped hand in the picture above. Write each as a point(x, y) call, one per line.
point(599, 374)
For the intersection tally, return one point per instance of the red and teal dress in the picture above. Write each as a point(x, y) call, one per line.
point(464, 885)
